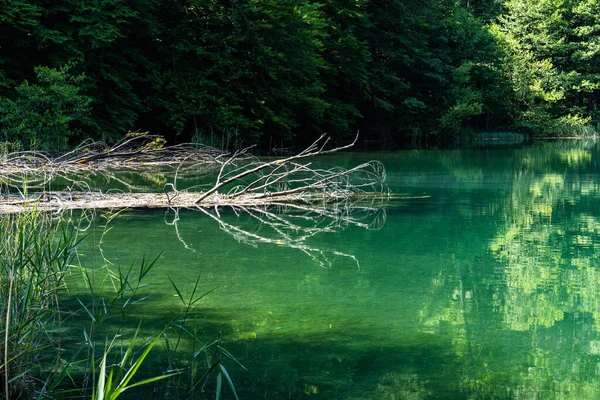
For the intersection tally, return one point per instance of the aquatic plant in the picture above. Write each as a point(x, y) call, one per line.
point(183, 328)
point(115, 380)
point(36, 360)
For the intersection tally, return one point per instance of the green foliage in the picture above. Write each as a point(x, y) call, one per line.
point(552, 61)
point(45, 115)
point(406, 74)
point(478, 96)
point(214, 353)
point(36, 252)
point(261, 63)
point(288, 70)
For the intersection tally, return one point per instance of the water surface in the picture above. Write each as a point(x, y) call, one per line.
point(482, 280)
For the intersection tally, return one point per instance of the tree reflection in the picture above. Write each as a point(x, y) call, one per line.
point(548, 255)
point(530, 328)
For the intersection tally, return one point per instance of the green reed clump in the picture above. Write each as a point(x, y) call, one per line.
point(35, 252)
point(208, 359)
point(37, 360)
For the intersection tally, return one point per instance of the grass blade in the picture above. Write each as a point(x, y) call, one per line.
point(219, 382)
point(87, 310)
point(224, 370)
point(177, 290)
point(101, 380)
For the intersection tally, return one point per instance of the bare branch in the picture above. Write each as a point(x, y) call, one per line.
point(272, 175)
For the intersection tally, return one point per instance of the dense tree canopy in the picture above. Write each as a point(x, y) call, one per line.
point(283, 71)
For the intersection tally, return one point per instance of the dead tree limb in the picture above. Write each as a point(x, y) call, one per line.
point(293, 178)
point(240, 181)
point(291, 199)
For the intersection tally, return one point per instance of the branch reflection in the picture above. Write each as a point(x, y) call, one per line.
point(292, 225)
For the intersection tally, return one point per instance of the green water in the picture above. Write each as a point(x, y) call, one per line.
point(482, 280)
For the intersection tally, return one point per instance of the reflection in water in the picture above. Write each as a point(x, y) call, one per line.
point(549, 251)
point(483, 283)
point(543, 290)
point(291, 225)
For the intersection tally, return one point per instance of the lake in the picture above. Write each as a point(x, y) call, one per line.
point(479, 279)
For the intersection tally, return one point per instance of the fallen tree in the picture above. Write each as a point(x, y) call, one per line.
point(241, 180)
point(35, 171)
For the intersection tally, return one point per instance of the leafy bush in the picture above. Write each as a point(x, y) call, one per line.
point(45, 115)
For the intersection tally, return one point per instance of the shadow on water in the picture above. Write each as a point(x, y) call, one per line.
point(336, 365)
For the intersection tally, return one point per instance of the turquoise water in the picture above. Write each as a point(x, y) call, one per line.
point(481, 280)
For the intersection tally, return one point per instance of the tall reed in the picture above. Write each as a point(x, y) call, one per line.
point(35, 252)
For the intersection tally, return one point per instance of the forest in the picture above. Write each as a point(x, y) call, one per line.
point(280, 73)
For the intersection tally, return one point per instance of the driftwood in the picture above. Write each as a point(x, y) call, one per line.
point(35, 171)
point(241, 181)
point(283, 202)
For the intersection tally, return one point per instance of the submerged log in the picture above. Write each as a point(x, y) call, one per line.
point(61, 201)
